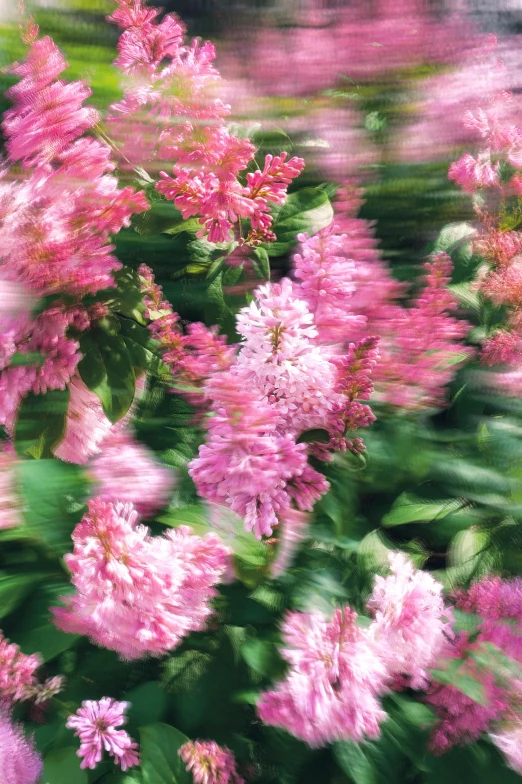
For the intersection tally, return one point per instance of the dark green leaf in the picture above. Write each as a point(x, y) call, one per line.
point(107, 369)
point(148, 702)
point(354, 762)
point(62, 766)
point(318, 435)
point(34, 629)
point(41, 423)
point(14, 588)
point(160, 762)
point(308, 210)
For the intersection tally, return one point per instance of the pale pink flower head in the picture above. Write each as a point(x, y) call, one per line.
point(138, 594)
point(335, 679)
point(410, 620)
point(126, 471)
point(473, 174)
point(96, 725)
point(20, 763)
point(86, 425)
point(210, 763)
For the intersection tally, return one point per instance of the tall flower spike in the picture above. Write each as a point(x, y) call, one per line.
point(96, 725)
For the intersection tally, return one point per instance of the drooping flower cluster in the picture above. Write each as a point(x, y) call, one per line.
point(210, 763)
point(335, 680)
point(96, 725)
point(172, 96)
point(18, 678)
point(136, 593)
point(20, 763)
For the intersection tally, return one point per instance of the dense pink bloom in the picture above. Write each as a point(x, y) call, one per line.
point(410, 621)
point(95, 724)
point(173, 114)
point(327, 284)
point(336, 676)
point(210, 763)
point(246, 464)
point(135, 593)
point(473, 174)
point(126, 471)
point(460, 718)
point(20, 763)
point(18, 679)
point(493, 598)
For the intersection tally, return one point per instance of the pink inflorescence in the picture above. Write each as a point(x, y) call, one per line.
point(138, 594)
point(18, 679)
point(170, 112)
point(20, 763)
point(332, 689)
point(410, 621)
point(95, 723)
point(210, 763)
point(126, 471)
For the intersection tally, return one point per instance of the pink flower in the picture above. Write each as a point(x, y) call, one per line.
point(86, 425)
point(20, 763)
point(410, 621)
point(10, 501)
point(18, 680)
point(210, 763)
point(291, 531)
point(136, 593)
point(95, 724)
point(336, 676)
point(126, 471)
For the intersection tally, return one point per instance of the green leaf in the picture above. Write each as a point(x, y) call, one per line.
point(54, 493)
point(138, 343)
point(408, 508)
point(41, 423)
point(316, 435)
point(192, 225)
point(455, 676)
point(148, 702)
point(34, 631)
point(261, 656)
point(62, 766)
point(354, 762)
point(160, 762)
point(454, 239)
point(107, 370)
point(261, 263)
point(308, 210)
point(14, 588)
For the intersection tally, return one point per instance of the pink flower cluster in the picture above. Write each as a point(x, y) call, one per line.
point(10, 502)
point(252, 461)
point(126, 471)
point(192, 355)
point(20, 763)
point(18, 679)
point(336, 676)
point(172, 97)
point(338, 669)
point(96, 725)
point(136, 593)
point(410, 621)
point(210, 763)
point(461, 719)
point(56, 220)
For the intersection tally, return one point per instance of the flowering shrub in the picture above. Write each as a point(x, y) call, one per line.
point(182, 550)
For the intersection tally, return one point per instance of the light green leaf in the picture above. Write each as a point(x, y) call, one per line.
point(160, 761)
point(62, 766)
